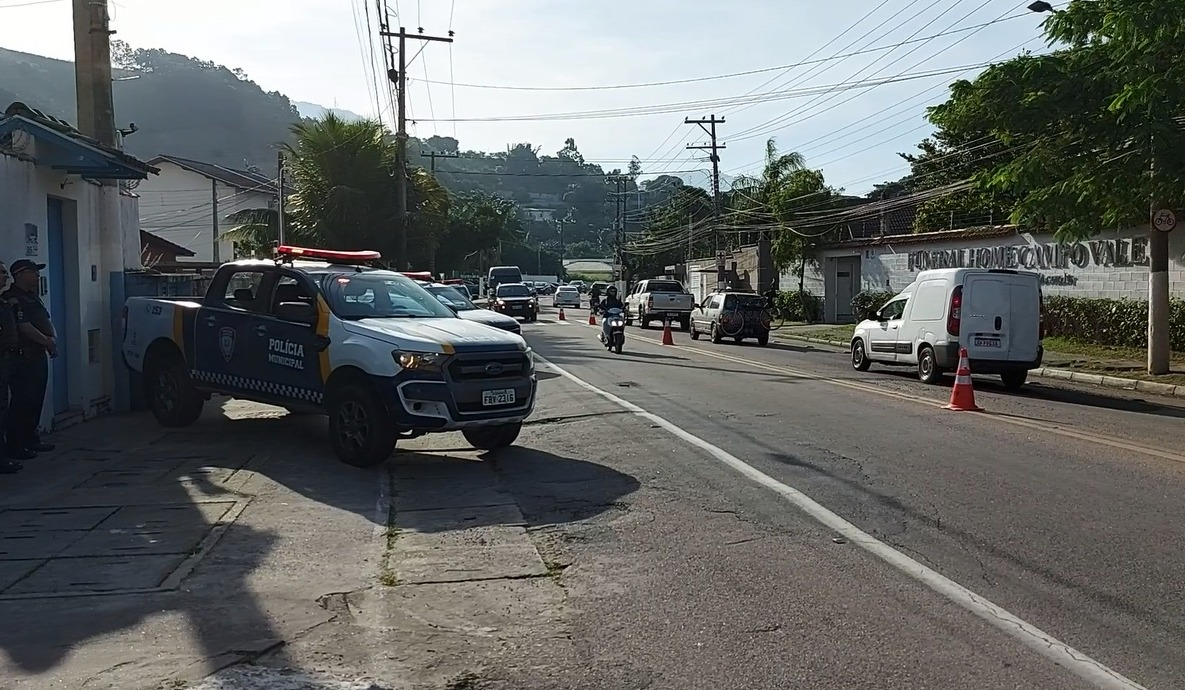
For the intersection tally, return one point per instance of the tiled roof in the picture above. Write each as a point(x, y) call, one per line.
point(240, 179)
point(147, 239)
point(19, 109)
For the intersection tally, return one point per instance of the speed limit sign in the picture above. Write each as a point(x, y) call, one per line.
point(1164, 220)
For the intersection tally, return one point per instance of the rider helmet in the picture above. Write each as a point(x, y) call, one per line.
point(611, 290)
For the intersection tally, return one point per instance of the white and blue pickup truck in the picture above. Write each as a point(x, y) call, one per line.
point(321, 331)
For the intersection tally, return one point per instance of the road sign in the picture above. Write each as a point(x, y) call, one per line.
point(1164, 220)
point(721, 257)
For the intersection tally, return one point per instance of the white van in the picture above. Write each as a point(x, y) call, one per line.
point(996, 314)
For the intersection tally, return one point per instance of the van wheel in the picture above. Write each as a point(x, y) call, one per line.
point(860, 361)
point(716, 334)
point(928, 370)
point(492, 437)
point(359, 431)
point(1013, 380)
point(175, 401)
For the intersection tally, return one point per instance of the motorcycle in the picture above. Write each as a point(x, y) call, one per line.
point(616, 325)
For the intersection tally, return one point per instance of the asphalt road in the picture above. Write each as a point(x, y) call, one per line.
point(1058, 505)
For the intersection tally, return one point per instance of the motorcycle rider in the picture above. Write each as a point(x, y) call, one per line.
point(594, 296)
point(611, 301)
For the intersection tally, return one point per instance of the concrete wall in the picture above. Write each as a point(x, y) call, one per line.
point(178, 206)
point(1111, 265)
point(24, 191)
point(702, 272)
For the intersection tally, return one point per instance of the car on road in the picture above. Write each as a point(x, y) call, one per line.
point(566, 296)
point(453, 296)
point(659, 299)
point(997, 315)
point(516, 300)
point(732, 314)
point(323, 332)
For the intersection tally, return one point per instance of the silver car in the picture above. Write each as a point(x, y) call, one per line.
point(566, 296)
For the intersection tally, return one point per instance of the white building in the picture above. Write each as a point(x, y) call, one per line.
point(1112, 264)
point(52, 209)
point(188, 202)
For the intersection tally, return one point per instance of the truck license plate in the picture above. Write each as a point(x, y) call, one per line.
point(987, 342)
point(503, 396)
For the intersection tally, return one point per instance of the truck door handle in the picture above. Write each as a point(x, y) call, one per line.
point(894, 327)
point(999, 322)
point(261, 330)
point(210, 320)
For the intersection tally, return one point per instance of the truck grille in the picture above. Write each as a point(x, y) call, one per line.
point(489, 367)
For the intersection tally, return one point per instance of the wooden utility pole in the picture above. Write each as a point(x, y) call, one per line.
point(214, 218)
point(398, 76)
point(709, 126)
point(280, 196)
point(618, 222)
point(92, 70)
point(433, 155)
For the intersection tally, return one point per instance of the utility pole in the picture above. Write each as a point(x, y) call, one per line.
point(619, 222)
point(398, 76)
point(709, 126)
point(92, 70)
point(438, 154)
point(214, 218)
point(280, 194)
point(1160, 224)
point(560, 223)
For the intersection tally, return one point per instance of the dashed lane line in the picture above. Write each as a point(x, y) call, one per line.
point(1047, 427)
point(1097, 674)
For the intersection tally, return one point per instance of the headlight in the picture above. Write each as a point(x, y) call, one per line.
point(418, 361)
point(530, 355)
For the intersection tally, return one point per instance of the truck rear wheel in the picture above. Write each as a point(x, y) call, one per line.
point(492, 437)
point(359, 431)
point(174, 399)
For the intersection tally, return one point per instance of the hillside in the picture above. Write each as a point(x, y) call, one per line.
point(197, 109)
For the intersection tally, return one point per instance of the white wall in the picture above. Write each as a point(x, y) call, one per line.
point(177, 205)
point(23, 194)
point(1110, 265)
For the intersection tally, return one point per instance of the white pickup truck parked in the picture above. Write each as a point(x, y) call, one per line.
point(319, 331)
point(659, 299)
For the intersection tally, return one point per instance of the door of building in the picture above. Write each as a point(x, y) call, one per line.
point(847, 286)
point(56, 278)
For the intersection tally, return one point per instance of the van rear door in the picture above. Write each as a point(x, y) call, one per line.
point(1025, 310)
point(985, 315)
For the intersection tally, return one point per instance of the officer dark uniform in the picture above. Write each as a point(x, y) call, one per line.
point(30, 363)
point(8, 344)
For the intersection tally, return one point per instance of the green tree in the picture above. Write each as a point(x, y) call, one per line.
point(256, 228)
point(1086, 122)
point(477, 222)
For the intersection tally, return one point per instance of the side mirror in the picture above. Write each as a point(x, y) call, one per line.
point(300, 312)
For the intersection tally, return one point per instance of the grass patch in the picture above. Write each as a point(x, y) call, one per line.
point(841, 334)
point(387, 575)
point(1109, 360)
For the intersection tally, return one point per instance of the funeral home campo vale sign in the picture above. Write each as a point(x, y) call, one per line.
point(1041, 256)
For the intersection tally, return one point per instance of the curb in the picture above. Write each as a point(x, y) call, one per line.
point(1166, 389)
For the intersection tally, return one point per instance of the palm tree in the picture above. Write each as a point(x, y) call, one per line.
point(752, 196)
point(345, 191)
point(256, 228)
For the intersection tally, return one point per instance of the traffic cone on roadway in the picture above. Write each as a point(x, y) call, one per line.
point(667, 337)
point(562, 314)
point(962, 396)
point(592, 320)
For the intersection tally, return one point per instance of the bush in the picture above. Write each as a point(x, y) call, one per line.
point(792, 305)
point(1114, 322)
point(870, 300)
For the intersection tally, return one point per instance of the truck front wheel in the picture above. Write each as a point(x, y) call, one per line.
point(359, 431)
point(174, 399)
point(492, 437)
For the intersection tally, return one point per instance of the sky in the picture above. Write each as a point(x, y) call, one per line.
point(541, 71)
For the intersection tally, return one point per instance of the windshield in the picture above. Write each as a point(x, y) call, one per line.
point(382, 295)
point(452, 296)
point(514, 291)
point(744, 302)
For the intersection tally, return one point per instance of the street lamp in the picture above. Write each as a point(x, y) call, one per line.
point(1041, 6)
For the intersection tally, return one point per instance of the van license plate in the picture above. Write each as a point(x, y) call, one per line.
point(987, 342)
point(504, 396)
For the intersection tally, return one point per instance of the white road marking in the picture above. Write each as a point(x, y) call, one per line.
point(1039, 641)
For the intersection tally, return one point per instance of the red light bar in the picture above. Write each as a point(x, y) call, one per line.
point(425, 276)
point(328, 254)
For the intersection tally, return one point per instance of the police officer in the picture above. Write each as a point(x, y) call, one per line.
point(8, 344)
point(37, 342)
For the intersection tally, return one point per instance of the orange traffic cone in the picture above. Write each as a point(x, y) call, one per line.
point(592, 320)
point(667, 337)
point(962, 396)
point(562, 314)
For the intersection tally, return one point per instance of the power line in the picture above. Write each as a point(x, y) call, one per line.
point(716, 77)
point(658, 109)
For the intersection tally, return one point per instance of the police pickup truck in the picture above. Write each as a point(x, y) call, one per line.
point(321, 331)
